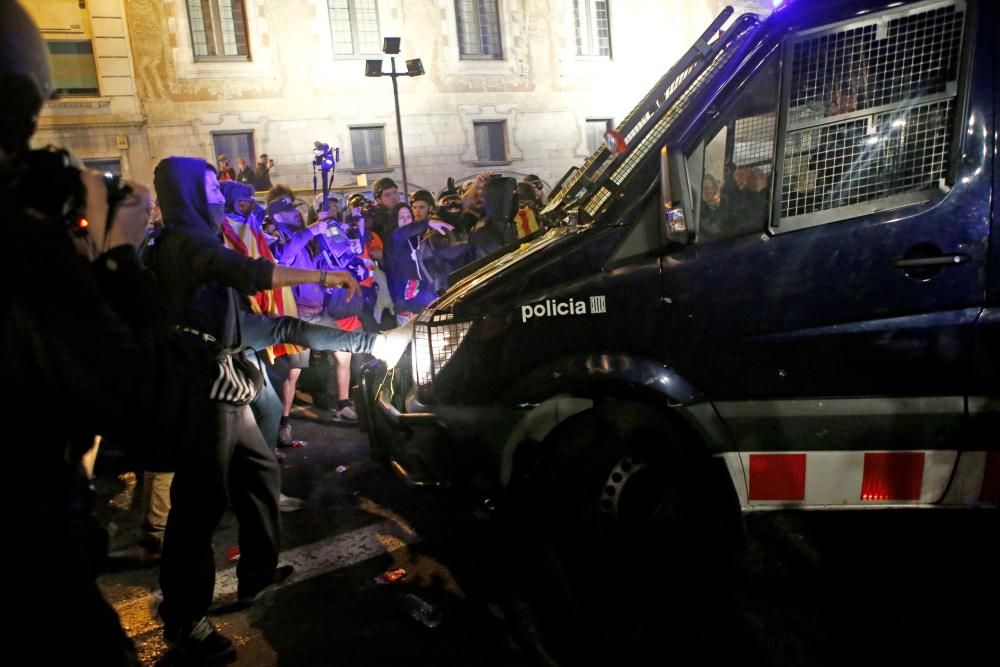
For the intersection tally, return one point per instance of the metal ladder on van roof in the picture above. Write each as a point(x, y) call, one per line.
point(591, 185)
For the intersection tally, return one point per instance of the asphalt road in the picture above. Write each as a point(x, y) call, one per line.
point(872, 587)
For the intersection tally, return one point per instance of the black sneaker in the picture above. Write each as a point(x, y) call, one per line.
point(200, 642)
point(247, 595)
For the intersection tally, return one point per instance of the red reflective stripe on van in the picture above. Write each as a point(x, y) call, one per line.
point(892, 476)
point(990, 490)
point(777, 476)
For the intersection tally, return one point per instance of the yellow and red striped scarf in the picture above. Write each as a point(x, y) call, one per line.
point(248, 240)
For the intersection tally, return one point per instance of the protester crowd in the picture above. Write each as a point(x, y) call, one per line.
point(175, 327)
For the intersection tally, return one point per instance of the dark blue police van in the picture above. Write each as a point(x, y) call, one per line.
point(774, 287)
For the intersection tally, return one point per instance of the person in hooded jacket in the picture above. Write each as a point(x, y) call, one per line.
point(496, 229)
point(411, 292)
point(241, 204)
point(228, 463)
point(438, 255)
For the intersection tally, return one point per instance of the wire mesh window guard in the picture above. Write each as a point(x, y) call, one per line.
point(871, 113)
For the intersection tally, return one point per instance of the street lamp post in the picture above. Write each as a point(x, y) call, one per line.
point(373, 68)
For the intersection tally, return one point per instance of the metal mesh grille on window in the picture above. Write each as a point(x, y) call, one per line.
point(637, 153)
point(753, 144)
point(596, 201)
point(877, 64)
point(901, 70)
point(866, 159)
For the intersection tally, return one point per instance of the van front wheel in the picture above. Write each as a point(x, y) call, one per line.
point(618, 533)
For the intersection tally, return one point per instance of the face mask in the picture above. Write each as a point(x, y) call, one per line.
point(218, 214)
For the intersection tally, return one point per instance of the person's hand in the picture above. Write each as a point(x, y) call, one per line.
point(342, 279)
point(128, 226)
point(375, 254)
point(440, 226)
point(319, 228)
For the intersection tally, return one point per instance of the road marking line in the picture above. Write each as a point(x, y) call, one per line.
point(309, 560)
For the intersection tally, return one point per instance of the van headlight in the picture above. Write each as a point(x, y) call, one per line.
point(436, 336)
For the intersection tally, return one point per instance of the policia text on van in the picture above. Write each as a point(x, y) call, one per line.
point(775, 288)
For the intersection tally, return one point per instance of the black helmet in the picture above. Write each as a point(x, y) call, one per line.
point(358, 200)
point(381, 185)
point(424, 196)
point(449, 193)
point(22, 51)
point(25, 77)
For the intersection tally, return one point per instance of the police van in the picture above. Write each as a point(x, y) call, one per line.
point(773, 288)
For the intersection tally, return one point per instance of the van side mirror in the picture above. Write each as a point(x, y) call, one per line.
point(674, 195)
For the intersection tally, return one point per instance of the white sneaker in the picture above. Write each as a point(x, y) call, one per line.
point(390, 345)
point(346, 414)
point(289, 504)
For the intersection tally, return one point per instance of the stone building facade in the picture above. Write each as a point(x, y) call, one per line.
point(519, 86)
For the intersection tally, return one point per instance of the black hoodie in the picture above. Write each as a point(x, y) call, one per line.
point(192, 265)
point(495, 230)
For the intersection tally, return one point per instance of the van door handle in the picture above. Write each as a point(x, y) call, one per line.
point(923, 261)
point(941, 260)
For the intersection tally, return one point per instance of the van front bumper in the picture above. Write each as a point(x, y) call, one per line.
point(442, 445)
point(415, 445)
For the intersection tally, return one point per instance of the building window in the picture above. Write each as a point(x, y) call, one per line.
point(218, 29)
point(73, 68)
point(478, 29)
point(491, 140)
point(593, 30)
point(234, 145)
point(105, 165)
point(368, 146)
point(354, 27)
point(596, 128)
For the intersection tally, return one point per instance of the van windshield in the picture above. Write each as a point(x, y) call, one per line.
point(642, 131)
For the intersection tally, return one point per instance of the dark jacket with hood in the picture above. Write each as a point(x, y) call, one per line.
point(195, 270)
point(496, 229)
point(234, 191)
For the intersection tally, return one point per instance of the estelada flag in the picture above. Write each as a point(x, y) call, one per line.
point(525, 222)
point(247, 239)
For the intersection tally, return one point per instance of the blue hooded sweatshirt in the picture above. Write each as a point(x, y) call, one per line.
point(234, 191)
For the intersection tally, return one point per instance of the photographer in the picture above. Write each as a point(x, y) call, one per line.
point(75, 331)
point(366, 246)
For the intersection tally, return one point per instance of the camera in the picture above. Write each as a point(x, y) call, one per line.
point(324, 156)
point(50, 183)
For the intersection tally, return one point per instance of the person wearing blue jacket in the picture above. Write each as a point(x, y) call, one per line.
point(411, 291)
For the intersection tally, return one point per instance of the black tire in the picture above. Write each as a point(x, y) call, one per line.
point(621, 540)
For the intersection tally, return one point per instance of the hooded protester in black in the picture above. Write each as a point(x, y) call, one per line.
point(495, 230)
point(193, 265)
